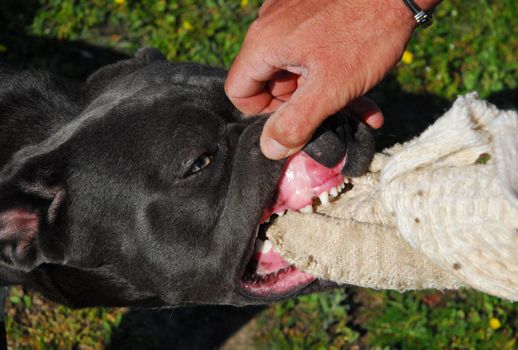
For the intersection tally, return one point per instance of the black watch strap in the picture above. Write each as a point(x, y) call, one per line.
point(422, 18)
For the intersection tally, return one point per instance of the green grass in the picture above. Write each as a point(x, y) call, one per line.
point(308, 322)
point(390, 320)
point(437, 321)
point(33, 323)
point(207, 31)
point(473, 45)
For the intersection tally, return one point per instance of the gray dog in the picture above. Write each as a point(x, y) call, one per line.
point(145, 186)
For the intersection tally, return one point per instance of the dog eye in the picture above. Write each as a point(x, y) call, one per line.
point(201, 163)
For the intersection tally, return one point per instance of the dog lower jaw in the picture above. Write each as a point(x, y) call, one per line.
point(280, 283)
point(315, 286)
point(275, 279)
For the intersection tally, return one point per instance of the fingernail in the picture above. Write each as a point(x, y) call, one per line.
point(274, 150)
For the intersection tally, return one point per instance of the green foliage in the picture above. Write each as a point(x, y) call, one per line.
point(472, 45)
point(391, 320)
point(432, 320)
point(308, 322)
point(36, 324)
point(208, 31)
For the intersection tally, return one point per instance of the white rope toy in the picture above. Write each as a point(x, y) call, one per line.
point(429, 214)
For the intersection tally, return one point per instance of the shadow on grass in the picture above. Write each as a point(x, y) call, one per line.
point(408, 115)
point(196, 328)
point(506, 99)
point(72, 59)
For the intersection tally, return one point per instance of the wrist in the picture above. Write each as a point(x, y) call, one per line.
point(406, 15)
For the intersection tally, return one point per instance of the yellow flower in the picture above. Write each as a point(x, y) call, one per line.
point(3, 48)
point(494, 323)
point(186, 25)
point(408, 57)
point(244, 3)
point(120, 2)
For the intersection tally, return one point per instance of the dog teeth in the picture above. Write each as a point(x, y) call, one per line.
point(324, 198)
point(281, 213)
point(267, 246)
point(262, 247)
point(308, 209)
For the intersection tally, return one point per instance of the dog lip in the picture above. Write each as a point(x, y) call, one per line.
point(268, 293)
point(317, 285)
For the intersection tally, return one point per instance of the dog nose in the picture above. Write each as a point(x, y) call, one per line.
point(340, 135)
point(328, 145)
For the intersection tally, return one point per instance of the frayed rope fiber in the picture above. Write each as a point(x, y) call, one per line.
point(440, 211)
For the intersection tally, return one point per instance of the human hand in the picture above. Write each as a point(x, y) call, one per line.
point(305, 60)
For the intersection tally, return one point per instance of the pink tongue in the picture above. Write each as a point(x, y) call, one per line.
point(305, 179)
point(269, 262)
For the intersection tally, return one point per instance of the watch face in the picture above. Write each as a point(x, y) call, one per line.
point(423, 19)
point(426, 21)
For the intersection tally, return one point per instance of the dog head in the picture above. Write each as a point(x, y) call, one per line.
point(154, 194)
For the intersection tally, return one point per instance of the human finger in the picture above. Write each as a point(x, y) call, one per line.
point(366, 109)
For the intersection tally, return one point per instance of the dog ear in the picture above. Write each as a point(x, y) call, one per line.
point(142, 58)
point(31, 199)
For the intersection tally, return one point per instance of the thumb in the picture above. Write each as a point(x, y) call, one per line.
point(289, 129)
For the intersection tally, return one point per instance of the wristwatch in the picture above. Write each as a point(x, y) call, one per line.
point(422, 18)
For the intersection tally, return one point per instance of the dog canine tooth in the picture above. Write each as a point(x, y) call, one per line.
point(308, 209)
point(324, 198)
point(266, 247)
point(258, 247)
point(262, 247)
